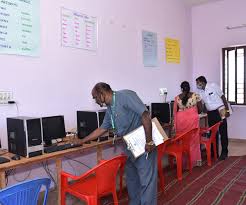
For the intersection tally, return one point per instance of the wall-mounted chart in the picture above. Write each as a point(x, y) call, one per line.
point(149, 44)
point(19, 27)
point(78, 30)
point(172, 50)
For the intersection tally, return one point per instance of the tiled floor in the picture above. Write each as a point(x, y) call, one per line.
point(236, 148)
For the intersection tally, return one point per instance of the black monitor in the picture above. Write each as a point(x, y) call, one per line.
point(161, 111)
point(53, 128)
point(88, 121)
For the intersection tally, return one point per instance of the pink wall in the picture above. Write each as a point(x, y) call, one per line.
point(208, 37)
point(60, 80)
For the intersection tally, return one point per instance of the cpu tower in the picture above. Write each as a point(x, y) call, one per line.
point(88, 121)
point(25, 136)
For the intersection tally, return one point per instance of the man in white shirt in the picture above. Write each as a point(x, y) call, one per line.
point(213, 99)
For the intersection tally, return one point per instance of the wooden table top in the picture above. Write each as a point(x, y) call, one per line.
point(46, 156)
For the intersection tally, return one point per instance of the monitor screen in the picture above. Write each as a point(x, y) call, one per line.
point(53, 128)
point(88, 121)
point(161, 111)
point(101, 117)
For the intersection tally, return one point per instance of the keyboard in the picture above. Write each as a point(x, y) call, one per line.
point(3, 160)
point(55, 148)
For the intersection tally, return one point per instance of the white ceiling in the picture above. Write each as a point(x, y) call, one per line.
point(198, 2)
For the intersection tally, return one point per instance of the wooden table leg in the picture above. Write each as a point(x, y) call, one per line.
point(2, 179)
point(58, 172)
point(99, 153)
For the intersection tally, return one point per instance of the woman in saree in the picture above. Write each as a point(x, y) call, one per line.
point(186, 109)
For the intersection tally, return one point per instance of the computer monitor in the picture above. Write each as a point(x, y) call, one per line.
point(53, 128)
point(88, 121)
point(161, 111)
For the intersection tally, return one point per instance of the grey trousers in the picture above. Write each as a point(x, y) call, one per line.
point(141, 179)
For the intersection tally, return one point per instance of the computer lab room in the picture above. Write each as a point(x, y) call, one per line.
point(122, 102)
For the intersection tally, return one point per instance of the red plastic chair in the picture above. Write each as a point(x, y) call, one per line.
point(97, 182)
point(209, 141)
point(175, 147)
point(122, 166)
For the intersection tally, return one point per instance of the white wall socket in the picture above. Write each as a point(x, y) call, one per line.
point(163, 91)
point(5, 96)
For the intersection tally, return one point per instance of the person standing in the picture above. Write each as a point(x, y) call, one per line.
point(214, 99)
point(126, 112)
point(186, 107)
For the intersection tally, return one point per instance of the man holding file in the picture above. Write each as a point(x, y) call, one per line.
point(214, 99)
point(126, 112)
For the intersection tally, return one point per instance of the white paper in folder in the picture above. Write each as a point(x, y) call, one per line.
point(136, 139)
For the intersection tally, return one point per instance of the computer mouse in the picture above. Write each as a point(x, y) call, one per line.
point(16, 157)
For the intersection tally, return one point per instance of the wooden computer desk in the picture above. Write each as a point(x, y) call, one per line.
point(56, 156)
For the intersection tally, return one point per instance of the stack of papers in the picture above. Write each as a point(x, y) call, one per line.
point(136, 139)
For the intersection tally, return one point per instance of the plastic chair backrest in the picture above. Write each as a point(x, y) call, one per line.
point(24, 193)
point(214, 129)
point(186, 137)
point(191, 137)
point(106, 173)
point(161, 148)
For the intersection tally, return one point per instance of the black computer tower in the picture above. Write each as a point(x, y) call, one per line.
point(161, 111)
point(88, 121)
point(25, 136)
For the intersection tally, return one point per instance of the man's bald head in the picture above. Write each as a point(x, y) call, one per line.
point(102, 93)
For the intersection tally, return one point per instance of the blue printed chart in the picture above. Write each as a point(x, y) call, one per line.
point(19, 27)
point(78, 30)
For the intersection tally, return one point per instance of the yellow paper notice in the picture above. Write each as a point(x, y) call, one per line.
point(172, 50)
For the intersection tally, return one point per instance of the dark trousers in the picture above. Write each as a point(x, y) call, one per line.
point(213, 118)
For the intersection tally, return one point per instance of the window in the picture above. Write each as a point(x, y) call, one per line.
point(234, 74)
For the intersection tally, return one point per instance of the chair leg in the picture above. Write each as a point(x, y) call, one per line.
point(161, 175)
point(208, 150)
point(64, 182)
point(92, 200)
point(115, 197)
point(190, 162)
point(179, 166)
point(63, 197)
point(215, 151)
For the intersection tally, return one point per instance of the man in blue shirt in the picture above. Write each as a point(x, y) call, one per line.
point(126, 112)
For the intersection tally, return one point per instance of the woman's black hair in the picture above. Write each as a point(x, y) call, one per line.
point(185, 86)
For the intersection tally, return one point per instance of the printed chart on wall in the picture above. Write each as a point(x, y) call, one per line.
point(19, 27)
point(149, 41)
point(172, 50)
point(78, 30)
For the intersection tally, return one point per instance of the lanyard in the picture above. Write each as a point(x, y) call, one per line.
point(112, 116)
point(113, 113)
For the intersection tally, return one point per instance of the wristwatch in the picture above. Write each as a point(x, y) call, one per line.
point(151, 143)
